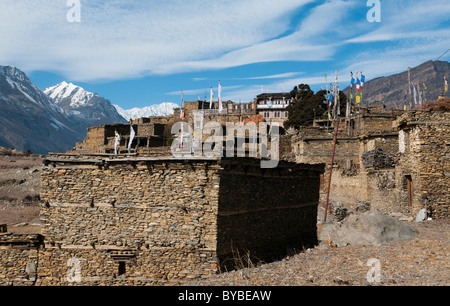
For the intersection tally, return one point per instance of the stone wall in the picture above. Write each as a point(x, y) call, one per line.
point(162, 220)
point(375, 123)
point(352, 182)
point(95, 141)
point(163, 211)
point(425, 160)
point(101, 139)
point(348, 179)
point(19, 258)
point(265, 214)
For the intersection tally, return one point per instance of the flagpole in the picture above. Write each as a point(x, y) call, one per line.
point(357, 105)
point(446, 86)
point(220, 97)
point(327, 93)
point(335, 95)
point(331, 170)
point(351, 88)
point(420, 94)
point(181, 117)
point(409, 87)
point(361, 89)
point(424, 93)
point(211, 99)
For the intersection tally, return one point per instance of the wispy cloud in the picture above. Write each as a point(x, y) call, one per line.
point(200, 91)
point(273, 76)
point(122, 39)
point(125, 39)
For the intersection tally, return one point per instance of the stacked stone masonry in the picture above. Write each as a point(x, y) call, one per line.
point(162, 221)
point(417, 143)
point(424, 145)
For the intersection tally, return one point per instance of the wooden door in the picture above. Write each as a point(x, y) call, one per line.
point(409, 188)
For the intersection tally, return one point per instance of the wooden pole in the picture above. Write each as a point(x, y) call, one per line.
point(331, 170)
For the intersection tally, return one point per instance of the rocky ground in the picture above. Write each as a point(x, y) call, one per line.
point(422, 260)
point(19, 190)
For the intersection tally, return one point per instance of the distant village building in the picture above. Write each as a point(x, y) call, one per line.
point(273, 106)
point(394, 161)
point(373, 133)
point(101, 139)
point(231, 111)
point(153, 134)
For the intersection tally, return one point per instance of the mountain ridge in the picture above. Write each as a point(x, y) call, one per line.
point(50, 121)
point(29, 119)
point(88, 108)
point(427, 81)
point(162, 109)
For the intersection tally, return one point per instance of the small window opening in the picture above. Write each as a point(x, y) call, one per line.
point(122, 269)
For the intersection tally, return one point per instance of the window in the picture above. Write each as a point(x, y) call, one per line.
point(121, 268)
point(286, 114)
point(266, 114)
point(403, 141)
point(407, 142)
point(277, 114)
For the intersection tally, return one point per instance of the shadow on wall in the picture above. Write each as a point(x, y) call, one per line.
point(265, 216)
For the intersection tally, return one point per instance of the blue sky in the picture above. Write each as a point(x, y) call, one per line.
point(140, 53)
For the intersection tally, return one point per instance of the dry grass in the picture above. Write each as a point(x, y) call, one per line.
point(439, 105)
point(19, 190)
point(421, 261)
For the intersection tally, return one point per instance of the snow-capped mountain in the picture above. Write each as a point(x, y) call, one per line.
point(29, 119)
point(83, 105)
point(163, 109)
point(18, 81)
point(75, 96)
point(48, 122)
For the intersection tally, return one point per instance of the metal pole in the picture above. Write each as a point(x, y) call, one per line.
point(331, 170)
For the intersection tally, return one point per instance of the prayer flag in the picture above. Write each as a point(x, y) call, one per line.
point(220, 98)
point(132, 134)
point(181, 107)
point(211, 99)
point(116, 141)
point(415, 94)
point(358, 90)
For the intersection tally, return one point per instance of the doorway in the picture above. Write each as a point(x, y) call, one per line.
point(409, 189)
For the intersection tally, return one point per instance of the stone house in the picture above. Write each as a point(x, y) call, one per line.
point(272, 106)
point(423, 170)
point(101, 139)
point(231, 111)
point(162, 220)
point(396, 161)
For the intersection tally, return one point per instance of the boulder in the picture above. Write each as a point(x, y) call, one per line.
point(421, 215)
point(370, 228)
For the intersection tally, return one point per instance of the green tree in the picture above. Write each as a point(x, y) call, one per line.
point(304, 106)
